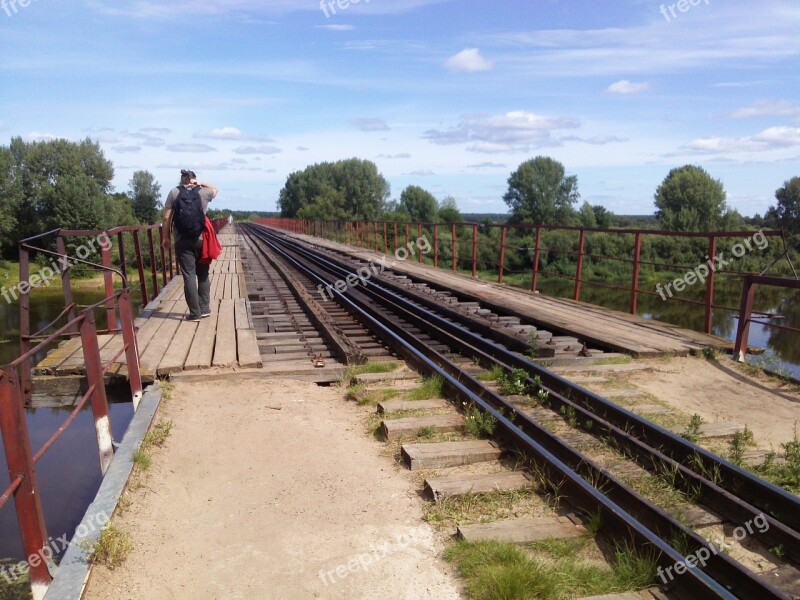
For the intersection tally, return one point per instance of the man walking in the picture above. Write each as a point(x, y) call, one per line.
point(184, 214)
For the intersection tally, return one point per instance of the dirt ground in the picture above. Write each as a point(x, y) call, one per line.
point(722, 390)
point(247, 501)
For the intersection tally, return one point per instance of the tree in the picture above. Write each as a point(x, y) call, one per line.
point(587, 217)
point(347, 189)
point(786, 213)
point(540, 193)
point(63, 184)
point(689, 199)
point(10, 198)
point(602, 216)
point(145, 195)
point(419, 203)
point(448, 211)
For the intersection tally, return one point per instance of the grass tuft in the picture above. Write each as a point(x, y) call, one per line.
point(430, 388)
point(692, 431)
point(478, 423)
point(112, 548)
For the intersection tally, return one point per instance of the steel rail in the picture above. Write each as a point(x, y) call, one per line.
point(723, 569)
point(770, 499)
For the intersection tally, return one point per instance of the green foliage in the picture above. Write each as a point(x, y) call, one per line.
point(689, 199)
point(514, 383)
point(503, 571)
point(787, 473)
point(145, 195)
point(448, 211)
point(692, 431)
point(786, 213)
point(347, 189)
point(479, 424)
point(539, 192)
point(419, 204)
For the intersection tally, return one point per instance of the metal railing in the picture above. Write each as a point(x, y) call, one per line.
point(16, 383)
point(746, 310)
point(468, 246)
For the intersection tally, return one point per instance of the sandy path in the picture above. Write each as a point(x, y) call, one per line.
point(249, 502)
point(721, 391)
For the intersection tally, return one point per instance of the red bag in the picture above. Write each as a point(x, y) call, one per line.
point(211, 246)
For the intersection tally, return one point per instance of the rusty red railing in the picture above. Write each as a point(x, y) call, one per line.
point(16, 385)
point(466, 253)
point(746, 310)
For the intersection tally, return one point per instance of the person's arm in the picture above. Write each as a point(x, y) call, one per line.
point(166, 228)
point(214, 191)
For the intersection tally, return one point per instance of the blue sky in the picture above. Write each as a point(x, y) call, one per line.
point(448, 95)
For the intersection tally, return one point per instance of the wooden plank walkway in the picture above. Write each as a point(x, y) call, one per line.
point(596, 325)
point(167, 343)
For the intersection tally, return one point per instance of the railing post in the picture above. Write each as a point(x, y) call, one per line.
point(25, 323)
point(406, 228)
point(579, 266)
point(436, 245)
point(66, 285)
point(475, 250)
point(123, 262)
point(27, 499)
point(745, 312)
point(94, 376)
point(502, 254)
point(536, 252)
point(419, 237)
point(137, 246)
point(712, 253)
point(108, 282)
point(131, 346)
point(153, 269)
point(395, 238)
point(385, 238)
point(161, 255)
point(637, 255)
point(377, 237)
point(454, 242)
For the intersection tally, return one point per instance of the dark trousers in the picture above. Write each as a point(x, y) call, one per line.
point(196, 285)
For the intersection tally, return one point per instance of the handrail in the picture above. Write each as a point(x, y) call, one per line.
point(746, 309)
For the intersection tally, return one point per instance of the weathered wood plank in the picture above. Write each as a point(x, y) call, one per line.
point(448, 454)
point(520, 531)
point(240, 314)
point(202, 350)
point(393, 429)
point(440, 488)
point(225, 343)
point(175, 356)
point(247, 348)
point(398, 404)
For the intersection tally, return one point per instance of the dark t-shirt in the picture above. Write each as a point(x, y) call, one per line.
point(206, 196)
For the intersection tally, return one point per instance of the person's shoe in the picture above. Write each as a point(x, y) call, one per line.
point(191, 318)
point(205, 314)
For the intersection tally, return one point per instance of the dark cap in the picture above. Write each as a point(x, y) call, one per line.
point(187, 173)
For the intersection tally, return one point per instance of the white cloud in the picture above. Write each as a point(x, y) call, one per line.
point(191, 148)
point(488, 165)
point(263, 149)
point(422, 173)
point(515, 131)
point(336, 27)
point(127, 149)
point(768, 109)
point(303, 149)
point(393, 156)
point(772, 138)
point(38, 136)
point(230, 133)
point(369, 124)
point(623, 86)
point(595, 140)
point(469, 60)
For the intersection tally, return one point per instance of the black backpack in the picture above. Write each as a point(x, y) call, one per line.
point(189, 218)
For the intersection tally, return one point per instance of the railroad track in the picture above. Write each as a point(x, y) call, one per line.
point(425, 332)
